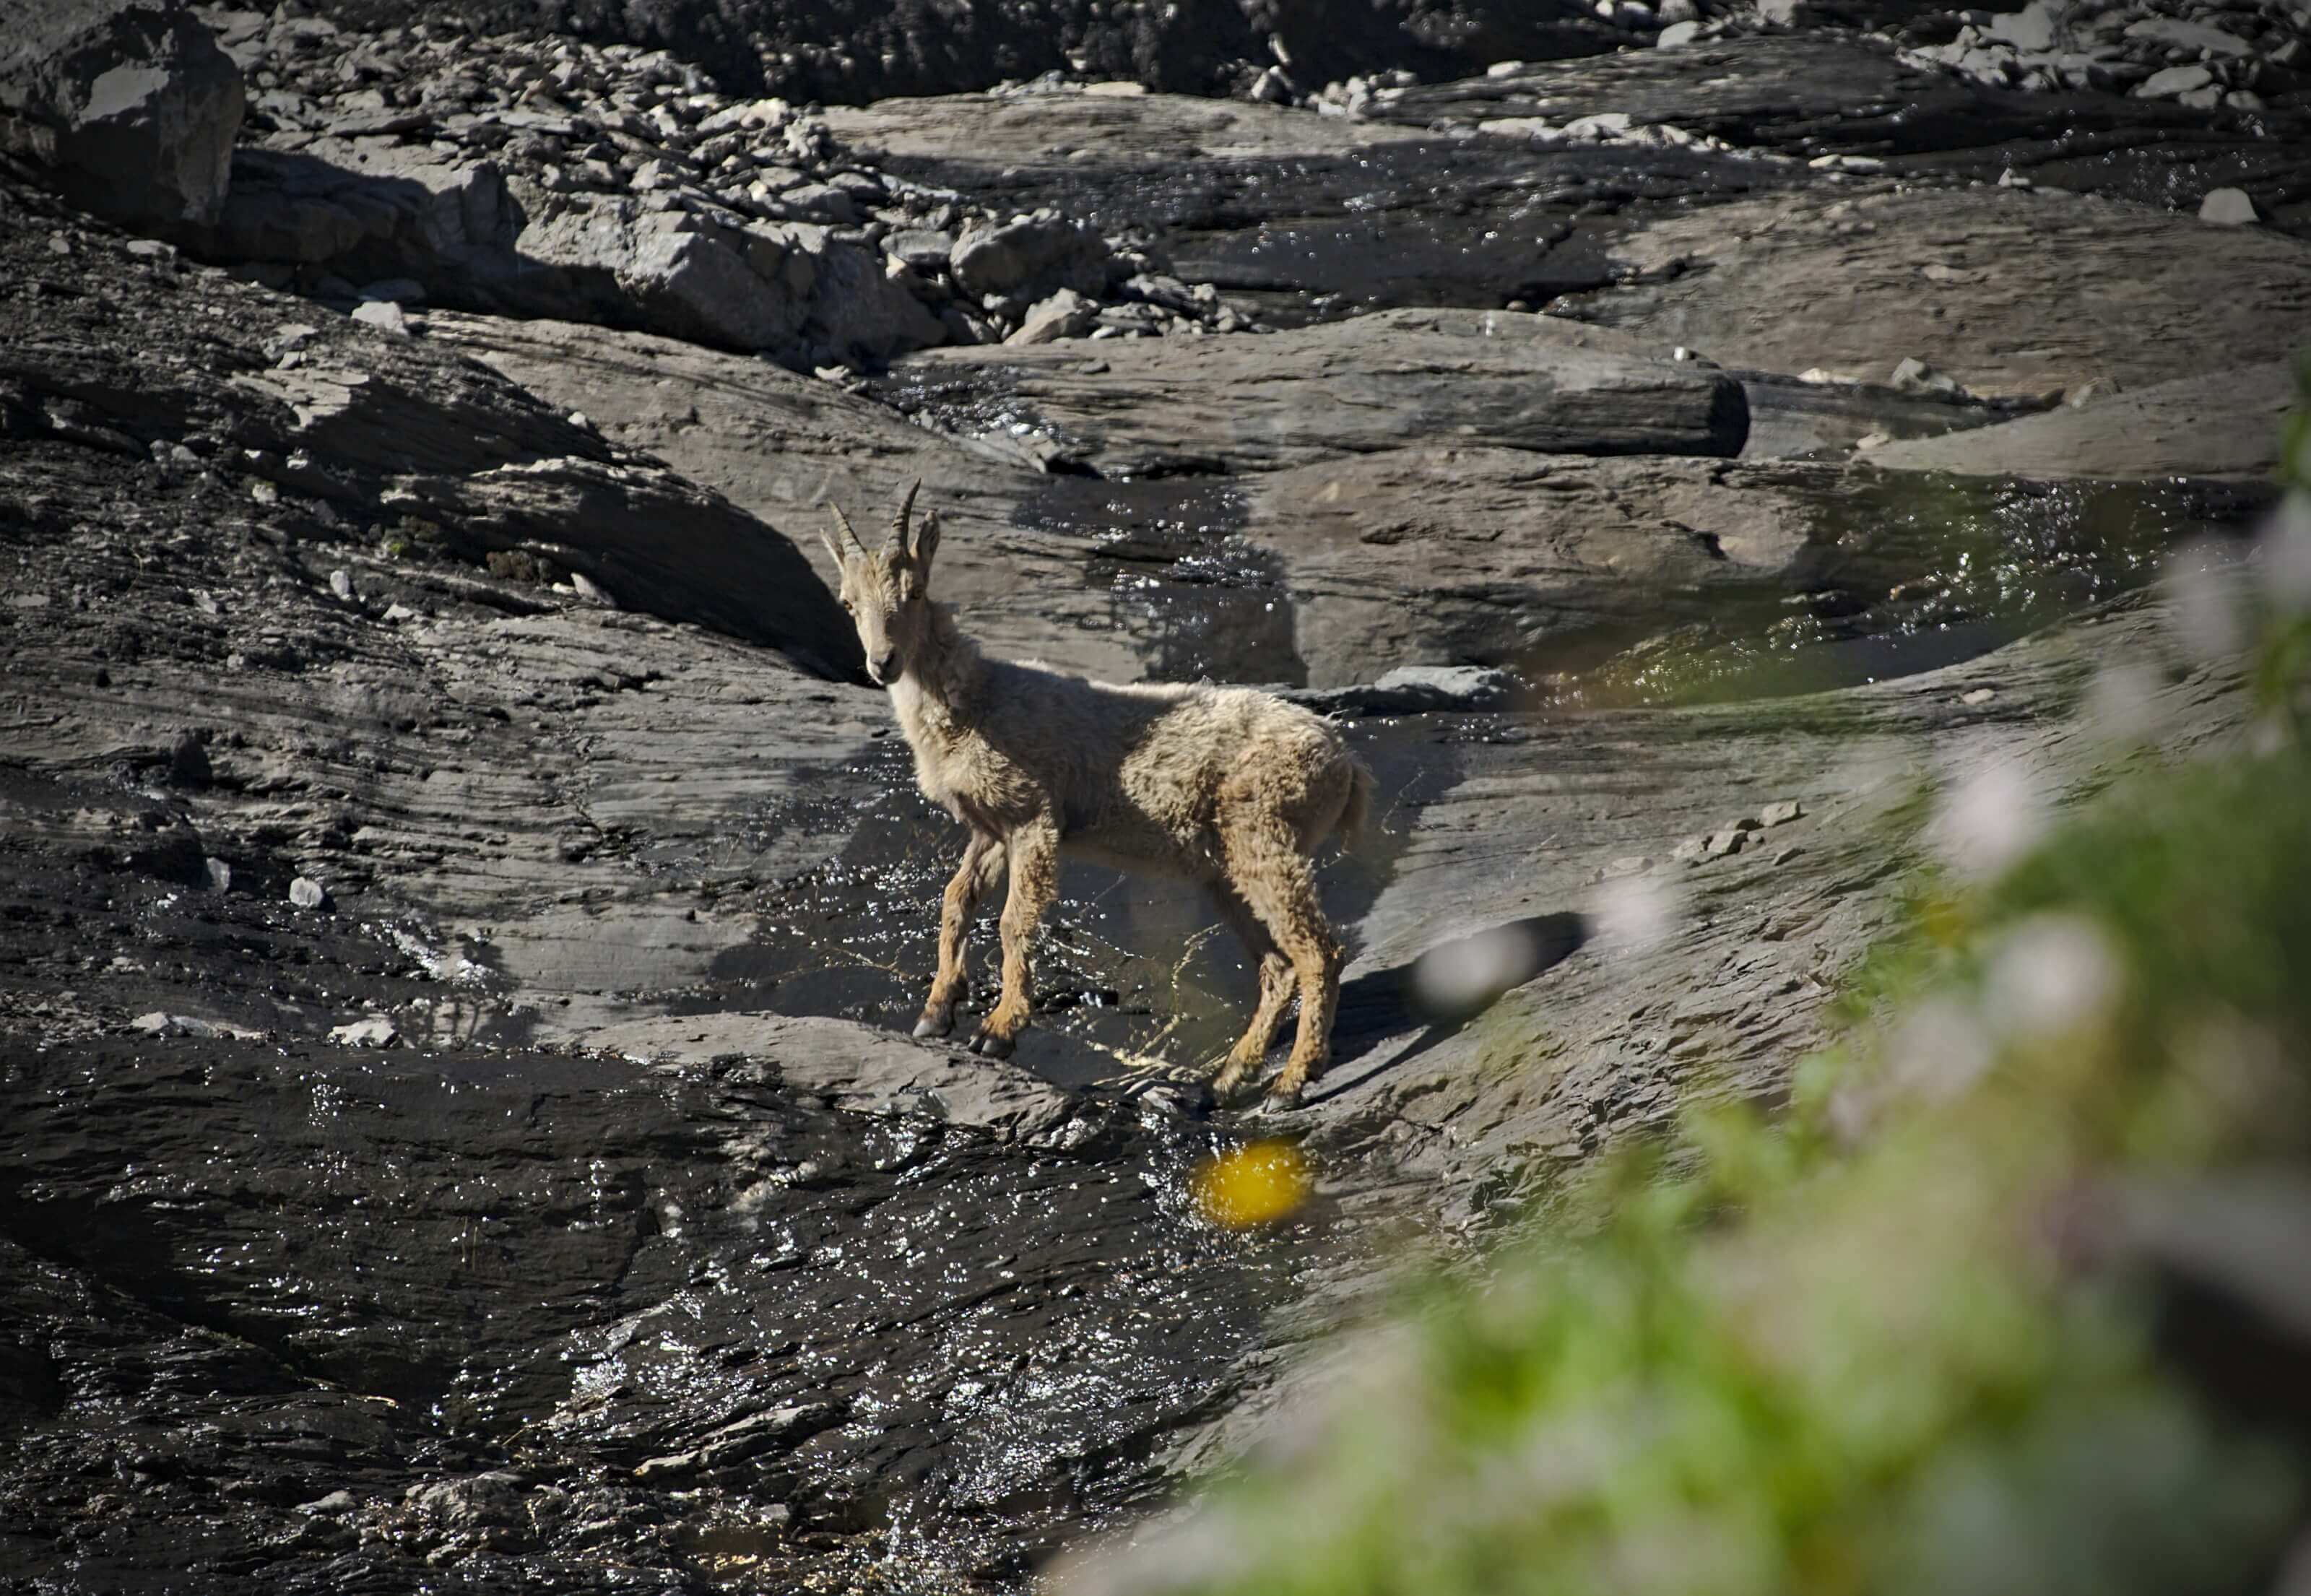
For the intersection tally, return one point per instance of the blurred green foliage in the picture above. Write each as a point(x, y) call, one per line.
point(1862, 1346)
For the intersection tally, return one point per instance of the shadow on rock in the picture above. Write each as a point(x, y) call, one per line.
point(1442, 990)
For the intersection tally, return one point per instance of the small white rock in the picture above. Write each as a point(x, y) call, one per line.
point(2228, 207)
point(307, 894)
point(376, 1030)
point(383, 314)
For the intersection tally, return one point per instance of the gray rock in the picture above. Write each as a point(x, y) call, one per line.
point(376, 1030)
point(384, 314)
point(2032, 29)
point(1691, 849)
point(188, 761)
point(2228, 207)
point(128, 104)
point(1678, 35)
point(1913, 376)
point(1067, 314)
point(2177, 33)
point(1725, 843)
point(307, 894)
point(2174, 82)
point(1781, 813)
point(341, 583)
point(1034, 257)
point(924, 249)
point(220, 875)
point(822, 202)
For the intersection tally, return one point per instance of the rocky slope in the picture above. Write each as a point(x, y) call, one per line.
point(459, 910)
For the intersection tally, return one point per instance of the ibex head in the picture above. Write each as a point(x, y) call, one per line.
point(887, 592)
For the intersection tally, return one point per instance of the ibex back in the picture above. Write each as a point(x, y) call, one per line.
point(1226, 786)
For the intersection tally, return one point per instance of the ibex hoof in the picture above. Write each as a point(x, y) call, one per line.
point(1231, 1090)
point(1280, 1100)
point(936, 1022)
point(988, 1045)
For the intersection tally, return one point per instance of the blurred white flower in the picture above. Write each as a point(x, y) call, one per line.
point(2121, 705)
point(2050, 975)
point(1935, 1050)
point(2287, 553)
point(1989, 817)
point(1461, 977)
point(2202, 600)
point(1634, 913)
point(1940, 1049)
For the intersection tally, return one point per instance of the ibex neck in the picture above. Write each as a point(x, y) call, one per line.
point(947, 667)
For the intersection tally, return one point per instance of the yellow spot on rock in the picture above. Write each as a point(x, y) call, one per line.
point(1258, 1184)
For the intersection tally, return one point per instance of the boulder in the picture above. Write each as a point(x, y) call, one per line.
point(129, 105)
point(1031, 258)
point(1067, 314)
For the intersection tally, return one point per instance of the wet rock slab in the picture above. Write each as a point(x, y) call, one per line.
point(338, 1319)
point(1519, 381)
point(2009, 292)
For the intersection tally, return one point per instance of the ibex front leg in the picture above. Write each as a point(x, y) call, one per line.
point(1033, 850)
point(982, 861)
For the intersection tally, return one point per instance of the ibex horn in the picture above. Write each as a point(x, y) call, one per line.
point(901, 522)
point(843, 521)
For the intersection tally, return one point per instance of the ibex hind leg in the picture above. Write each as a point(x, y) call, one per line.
point(1275, 989)
point(1277, 883)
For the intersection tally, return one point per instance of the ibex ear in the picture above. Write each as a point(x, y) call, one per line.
point(927, 537)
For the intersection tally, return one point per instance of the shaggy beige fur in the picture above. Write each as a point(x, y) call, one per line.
point(1224, 786)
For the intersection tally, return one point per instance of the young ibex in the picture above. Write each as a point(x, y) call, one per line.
point(1225, 786)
